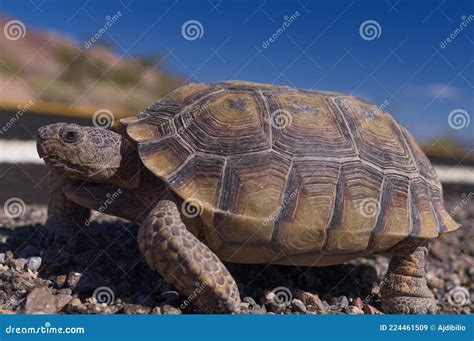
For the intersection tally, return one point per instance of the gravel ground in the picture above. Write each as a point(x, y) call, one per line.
point(108, 274)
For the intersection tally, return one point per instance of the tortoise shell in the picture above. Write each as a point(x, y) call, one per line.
point(279, 172)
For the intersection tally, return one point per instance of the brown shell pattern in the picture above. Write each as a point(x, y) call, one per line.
point(283, 172)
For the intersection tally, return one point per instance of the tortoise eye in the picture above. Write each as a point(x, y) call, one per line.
point(71, 136)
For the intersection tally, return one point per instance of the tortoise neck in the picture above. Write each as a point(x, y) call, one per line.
point(129, 172)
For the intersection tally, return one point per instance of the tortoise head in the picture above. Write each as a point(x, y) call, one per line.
point(89, 153)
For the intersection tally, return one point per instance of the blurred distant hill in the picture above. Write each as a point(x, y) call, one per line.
point(46, 66)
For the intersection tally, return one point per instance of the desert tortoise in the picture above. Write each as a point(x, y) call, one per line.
point(256, 173)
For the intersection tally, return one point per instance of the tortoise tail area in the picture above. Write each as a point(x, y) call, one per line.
point(446, 223)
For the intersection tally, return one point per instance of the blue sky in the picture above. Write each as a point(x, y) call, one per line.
point(404, 67)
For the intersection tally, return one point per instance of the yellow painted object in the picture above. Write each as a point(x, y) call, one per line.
point(61, 109)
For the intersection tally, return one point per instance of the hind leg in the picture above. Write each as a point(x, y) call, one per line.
point(185, 262)
point(404, 289)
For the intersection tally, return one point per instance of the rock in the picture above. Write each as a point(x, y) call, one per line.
point(169, 309)
point(65, 291)
point(434, 281)
point(61, 300)
point(368, 309)
point(136, 309)
point(75, 306)
point(73, 279)
point(249, 300)
point(353, 310)
point(2, 258)
point(311, 301)
point(20, 263)
point(59, 281)
point(272, 301)
point(439, 249)
point(358, 303)
point(258, 310)
point(42, 301)
point(340, 302)
point(298, 305)
point(34, 263)
point(156, 311)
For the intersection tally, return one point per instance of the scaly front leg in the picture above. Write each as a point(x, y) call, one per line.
point(65, 217)
point(185, 262)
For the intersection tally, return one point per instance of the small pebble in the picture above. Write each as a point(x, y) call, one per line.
point(2, 258)
point(20, 263)
point(340, 302)
point(59, 281)
point(298, 306)
point(73, 279)
point(169, 309)
point(34, 263)
point(353, 310)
